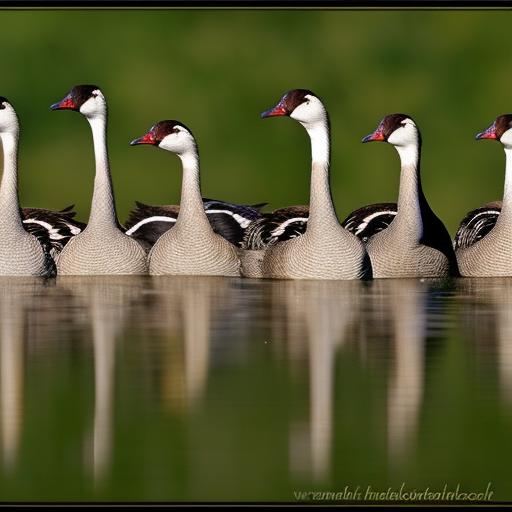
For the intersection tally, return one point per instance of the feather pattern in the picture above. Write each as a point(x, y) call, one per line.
point(476, 225)
point(291, 222)
point(370, 219)
point(146, 223)
point(277, 226)
point(53, 229)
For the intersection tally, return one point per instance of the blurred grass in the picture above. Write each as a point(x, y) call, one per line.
point(217, 70)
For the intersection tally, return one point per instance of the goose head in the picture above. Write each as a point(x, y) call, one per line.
point(500, 130)
point(398, 129)
point(170, 135)
point(299, 104)
point(8, 117)
point(86, 99)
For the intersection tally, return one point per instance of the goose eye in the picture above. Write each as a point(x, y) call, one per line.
point(175, 130)
point(2, 106)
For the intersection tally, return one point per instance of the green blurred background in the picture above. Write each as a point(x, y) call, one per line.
point(216, 70)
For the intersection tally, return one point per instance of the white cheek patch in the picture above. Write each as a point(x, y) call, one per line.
point(506, 138)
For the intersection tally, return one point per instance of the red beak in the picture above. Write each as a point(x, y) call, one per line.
point(490, 133)
point(278, 110)
point(148, 138)
point(67, 103)
point(377, 135)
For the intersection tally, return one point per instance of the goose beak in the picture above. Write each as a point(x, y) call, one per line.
point(148, 138)
point(65, 104)
point(278, 110)
point(489, 133)
point(377, 135)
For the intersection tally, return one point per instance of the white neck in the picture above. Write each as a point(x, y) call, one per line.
point(506, 210)
point(410, 192)
point(103, 210)
point(192, 214)
point(9, 203)
point(321, 208)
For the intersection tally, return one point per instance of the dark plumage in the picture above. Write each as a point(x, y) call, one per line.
point(277, 226)
point(52, 229)
point(476, 224)
point(146, 223)
point(286, 223)
point(370, 219)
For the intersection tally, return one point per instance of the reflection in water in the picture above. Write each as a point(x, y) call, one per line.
point(403, 303)
point(194, 379)
point(487, 321)
point(16, 296)
point(184, 311)
point(105, 303)
point(392, 313)
point(318, 313)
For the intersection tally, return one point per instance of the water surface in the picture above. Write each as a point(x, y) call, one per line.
point(166, 388)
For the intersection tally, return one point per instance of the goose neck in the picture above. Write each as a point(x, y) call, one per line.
point(322, 214)
point(103, 210)
point(506, 210)
point(410, 195)
point(192, 214)
point(9, 202)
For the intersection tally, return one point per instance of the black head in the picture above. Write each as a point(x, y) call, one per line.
point(159, 131)
point(497, 129)
point(288, 103)
point(386, 127)
point(76, 97)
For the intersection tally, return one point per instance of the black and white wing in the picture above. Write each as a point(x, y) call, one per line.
point(278, 226)
point(148, 223)
point(53, 229)
point(369, 220)
point(476, 224)
point(231, 220)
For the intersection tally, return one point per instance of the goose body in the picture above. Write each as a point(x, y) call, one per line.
point(415, 243)
point(103, 247)
point(147, 223)
point(326, 250)
point(484, 239)
point(191, 247)
point(21, 253)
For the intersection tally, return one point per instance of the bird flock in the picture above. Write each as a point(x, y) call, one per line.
point(203, 236)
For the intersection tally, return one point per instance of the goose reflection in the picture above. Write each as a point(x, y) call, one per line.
point(105, 303)
point(17, 296)
point(404, 303)
point(410, 307)
point(318, 314)
point(185, 313)
point(487, 321)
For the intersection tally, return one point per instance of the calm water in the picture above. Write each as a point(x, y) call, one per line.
point(228, 389)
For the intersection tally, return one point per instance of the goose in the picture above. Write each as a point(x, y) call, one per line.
point(191, 247)
point(483, 242)
point(325, 250)
point(30, 236)
point(415, 243)
point(147, 223)
point(103, 247)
